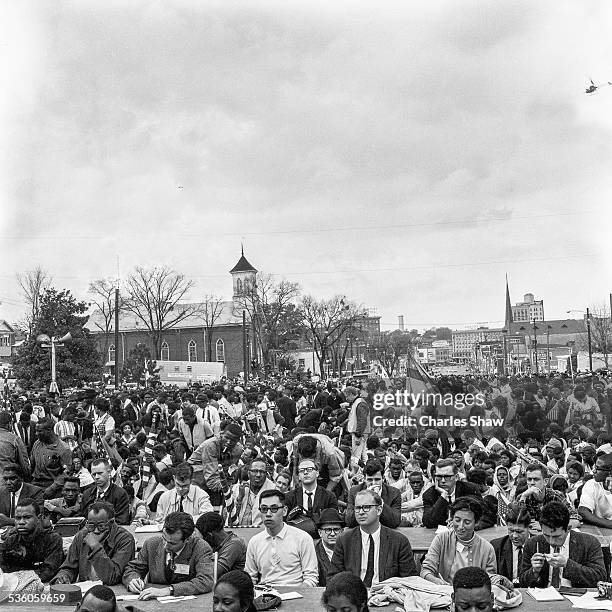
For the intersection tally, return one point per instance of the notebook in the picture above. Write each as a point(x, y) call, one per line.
point(547, 594)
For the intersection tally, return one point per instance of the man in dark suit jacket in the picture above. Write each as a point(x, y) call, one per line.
point(388, 553)
point(559, 556)
point(447, 488)
point(287, 407)
point(391, 515)
point(320, 397)
point(330, 525)
point(177, 558)
point(26, 430)
point(321, 497)
point(107, 491)
point(509, 549)
point(14, 490)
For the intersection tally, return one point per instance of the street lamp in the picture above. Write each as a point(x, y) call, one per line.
point(588, 325)
point(51, 342)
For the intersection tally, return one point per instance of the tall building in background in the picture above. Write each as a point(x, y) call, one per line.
point(528, 310)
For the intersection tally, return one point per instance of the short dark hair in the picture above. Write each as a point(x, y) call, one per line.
point(14, 467)
point(348, 585)
point(518, 515)
point(536, 467)
point(233, 428)
point(180, 521)
point(444, 463)
point(209, 522)
point(477, 476)
point(307, 447)
point(272, 493)
point(466, 503)
point(102, 592)
point(99, 506)
point(573, 465)
point(555, 515)
point(72, 479)
point(373, 466)
point(28, 501)
point(471, 578)
point(243, 584)
point(183, 470)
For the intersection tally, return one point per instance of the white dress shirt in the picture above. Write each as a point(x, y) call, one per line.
point(365, 550)
point(565, 552)
point(288, 558)
point(196, 503)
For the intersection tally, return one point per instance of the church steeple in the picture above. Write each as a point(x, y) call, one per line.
point(243, 275)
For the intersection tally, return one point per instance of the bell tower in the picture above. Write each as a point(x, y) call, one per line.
point(243, 277)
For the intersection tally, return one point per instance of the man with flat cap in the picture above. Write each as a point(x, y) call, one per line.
point(330, 525)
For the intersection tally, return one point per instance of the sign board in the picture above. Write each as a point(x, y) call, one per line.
point(183, 373)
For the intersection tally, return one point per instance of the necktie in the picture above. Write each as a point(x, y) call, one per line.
point(519, 562)
point(12, 513)
point(25, 435)
point(556, 573)
point(367, 580)
point(181, 508)
point(169, 569)
point(309, 493)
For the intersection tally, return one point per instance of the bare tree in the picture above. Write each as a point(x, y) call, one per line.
point(103, 297)
point(33, 284)
point(390, 347)
point(328, 323)
point(269, 304)
point(210, 310)
point(601, 332)
point(154, 296)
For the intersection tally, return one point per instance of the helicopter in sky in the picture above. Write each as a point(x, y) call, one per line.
point(592, 88)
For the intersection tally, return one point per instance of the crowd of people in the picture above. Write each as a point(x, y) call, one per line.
point(307, 465)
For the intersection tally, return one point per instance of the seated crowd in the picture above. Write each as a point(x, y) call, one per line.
point(329, 494)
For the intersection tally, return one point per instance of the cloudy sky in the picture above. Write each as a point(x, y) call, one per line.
point(406, 154)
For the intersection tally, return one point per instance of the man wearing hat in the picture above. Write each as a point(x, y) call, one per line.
point(555, 455)
point(12, 448)
point(330, 525)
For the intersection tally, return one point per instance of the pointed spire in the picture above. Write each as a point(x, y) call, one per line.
point(242, 249)
point(508, 320)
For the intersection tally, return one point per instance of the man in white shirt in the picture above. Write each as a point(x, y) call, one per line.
point(282, 554)
point(185, 497)
point(596, 499)
point(243, 499)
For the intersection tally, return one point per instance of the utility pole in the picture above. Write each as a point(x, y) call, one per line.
point(535, 345)
point(245, 350)
point(117, 351)
point(588, 323)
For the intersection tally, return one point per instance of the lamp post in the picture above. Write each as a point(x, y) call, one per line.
point(588, 326)
point(52, 342)
point(535, 345)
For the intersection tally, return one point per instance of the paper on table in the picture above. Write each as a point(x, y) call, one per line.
point(589, 601)
point(148, 529)
point(547, 594)
point(131, 597)
point(87, 584)
point(290, 595)
point(172, 599)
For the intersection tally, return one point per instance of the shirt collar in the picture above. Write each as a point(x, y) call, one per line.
point(189, 495)
point(18, 492)
point(281, 534)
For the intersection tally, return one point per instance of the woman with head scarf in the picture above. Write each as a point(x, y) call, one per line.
point(503, 489)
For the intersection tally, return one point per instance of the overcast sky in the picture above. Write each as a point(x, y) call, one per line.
point(406, 154)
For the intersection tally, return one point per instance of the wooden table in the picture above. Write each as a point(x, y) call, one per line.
point(420, 537)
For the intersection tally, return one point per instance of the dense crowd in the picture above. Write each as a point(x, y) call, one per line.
point(307, 465)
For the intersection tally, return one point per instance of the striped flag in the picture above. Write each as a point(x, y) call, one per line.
point(417, 379)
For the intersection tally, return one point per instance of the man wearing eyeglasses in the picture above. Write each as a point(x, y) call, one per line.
point(100, 551)
point(177, 558)
point(243, 499)
point(596, 500)
point(309, 495)
point(330, 525)
point(281, 555)
point(447, 488)
point(391, 514)
point(372, 551)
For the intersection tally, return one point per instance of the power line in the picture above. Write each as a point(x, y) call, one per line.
point(395, 269)
point(311, 230)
